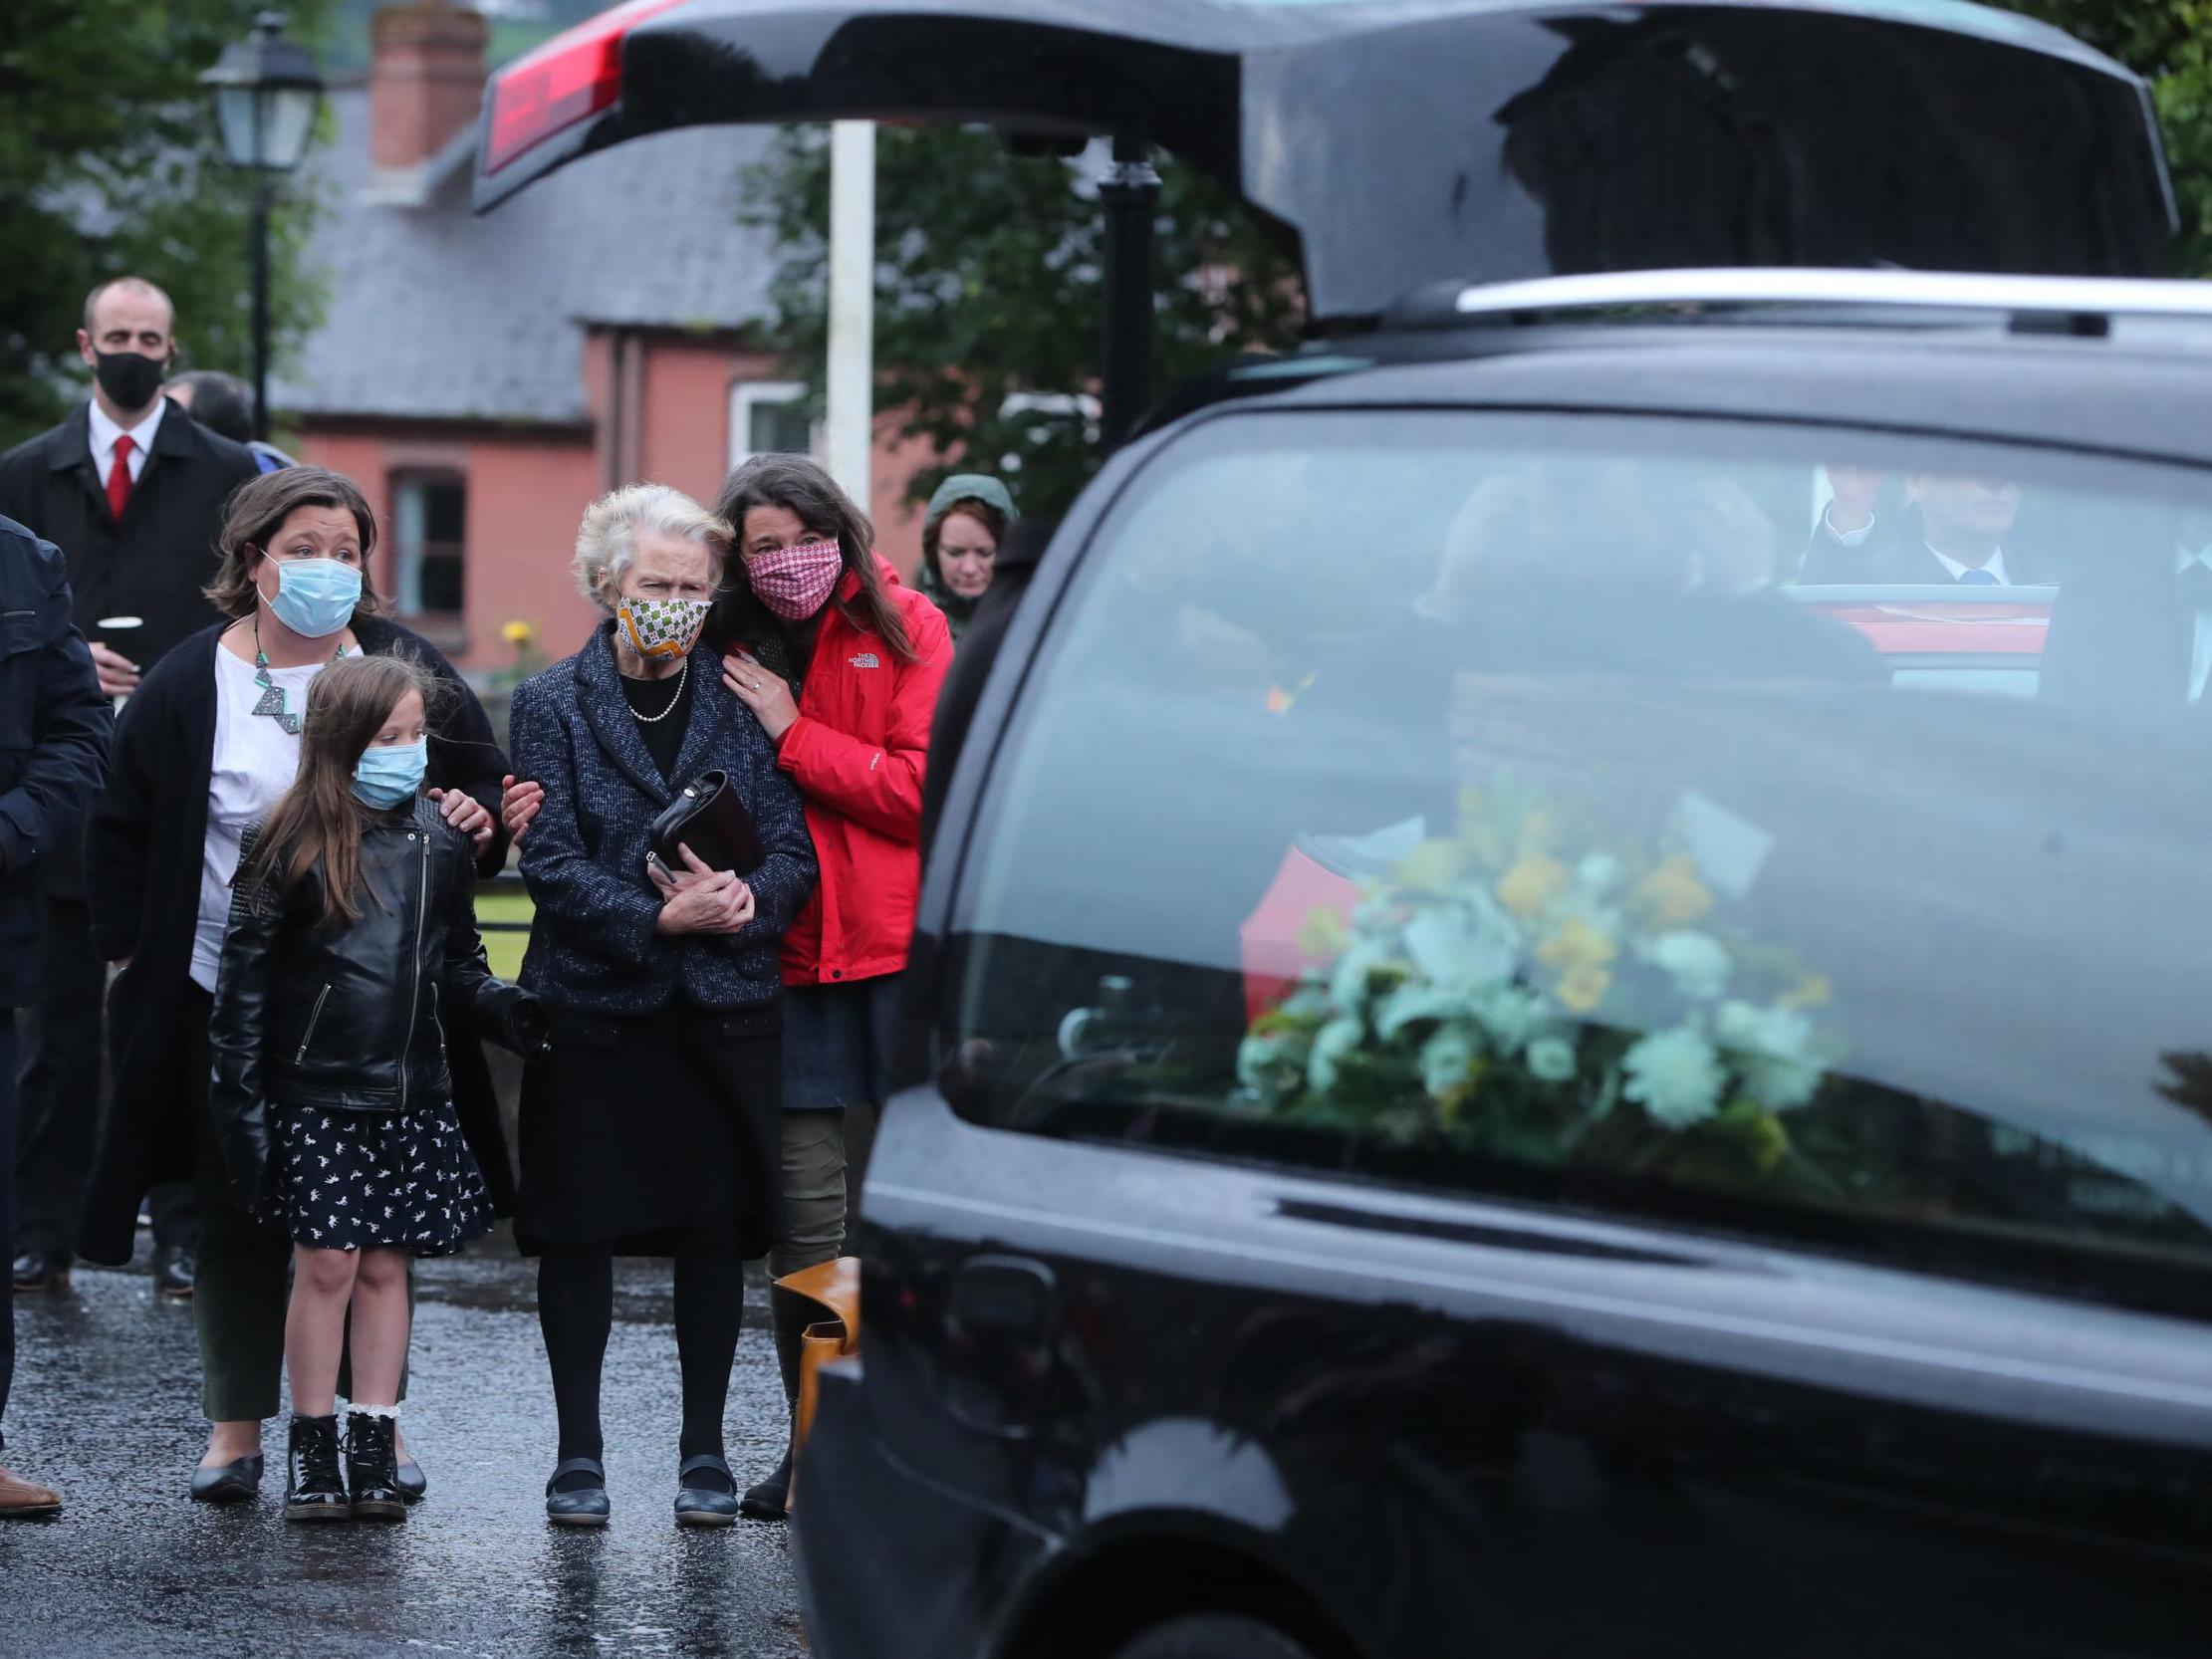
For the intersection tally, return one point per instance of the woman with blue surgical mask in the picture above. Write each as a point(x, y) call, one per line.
point(205, 748)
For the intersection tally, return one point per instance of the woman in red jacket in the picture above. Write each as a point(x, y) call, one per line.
point(842, 665)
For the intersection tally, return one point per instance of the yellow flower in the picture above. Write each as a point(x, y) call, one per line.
point(1583, 987)
point(1324, 935)
point(518, 634)
point(1530, 885)
point(1430, 868)
point(1672, 895)
point(1577, 945)
point(1811, 990)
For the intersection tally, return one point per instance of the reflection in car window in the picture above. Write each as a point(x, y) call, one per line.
point(1493, 806)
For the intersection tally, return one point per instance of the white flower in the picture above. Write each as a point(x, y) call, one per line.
point(1599, 873)
point(1415, 1001)
point(1676, 1076)
point(1446, 1059)
point(1451, 953)
point(1505, 1014)
point(1331, 1043)
point(1772, 1050)
point(1348, 988)
point(1694, 961)
point(1780, 1084)
point(1779, 1032)
point(1552, 1058)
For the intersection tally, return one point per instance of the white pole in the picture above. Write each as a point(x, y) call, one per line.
point(850, 440)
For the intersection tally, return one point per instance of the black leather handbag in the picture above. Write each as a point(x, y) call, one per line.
point(709, 819)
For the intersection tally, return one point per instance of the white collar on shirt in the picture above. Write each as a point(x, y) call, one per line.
point(1994, 567)
point(105, 432)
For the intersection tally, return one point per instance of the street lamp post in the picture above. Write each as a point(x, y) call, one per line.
point(266, 91)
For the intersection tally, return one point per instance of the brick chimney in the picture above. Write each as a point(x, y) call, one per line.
point(425, 85)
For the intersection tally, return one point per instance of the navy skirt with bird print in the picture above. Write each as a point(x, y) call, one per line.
point(352, 1180)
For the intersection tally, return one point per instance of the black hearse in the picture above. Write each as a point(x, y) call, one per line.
point(1559, 1006)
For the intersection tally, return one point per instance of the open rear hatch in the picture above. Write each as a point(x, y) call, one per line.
point(1407, 141)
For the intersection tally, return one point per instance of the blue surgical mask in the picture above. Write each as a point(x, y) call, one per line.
point(386, 776)
point(316, 597)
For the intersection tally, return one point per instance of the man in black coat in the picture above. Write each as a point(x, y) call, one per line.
point(131, 490)
point(54, 732)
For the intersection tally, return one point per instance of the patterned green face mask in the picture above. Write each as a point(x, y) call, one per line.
point(665, 628)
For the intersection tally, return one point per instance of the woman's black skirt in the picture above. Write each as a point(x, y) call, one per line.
point(653, 1134)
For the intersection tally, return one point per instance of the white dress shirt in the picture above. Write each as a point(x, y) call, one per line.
point(1994, 567)
point(1842, 538)
point(2200, 656)
point(105, 432)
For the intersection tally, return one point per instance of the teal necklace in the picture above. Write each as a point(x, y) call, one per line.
point(272, 694)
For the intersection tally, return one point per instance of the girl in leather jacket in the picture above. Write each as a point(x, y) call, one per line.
point(352, 924)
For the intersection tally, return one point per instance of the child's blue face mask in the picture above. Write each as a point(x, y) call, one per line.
point(385, 776)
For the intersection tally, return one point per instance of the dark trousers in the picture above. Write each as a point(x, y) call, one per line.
point(244, 1283)
point(7, 1200)
point(62, 1087)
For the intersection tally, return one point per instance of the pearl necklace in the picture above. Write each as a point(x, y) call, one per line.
point(676, 697)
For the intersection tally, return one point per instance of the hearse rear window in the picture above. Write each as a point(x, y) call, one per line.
point(1783, 831)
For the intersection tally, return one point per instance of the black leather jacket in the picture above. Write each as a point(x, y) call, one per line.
point(346, 1018)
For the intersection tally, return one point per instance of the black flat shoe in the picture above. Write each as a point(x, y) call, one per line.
point(315, 1490)
point(585, 1506)
point(410, 1481)
point(705, 1505)
point(769, 1500)
point(371, 1467)
point(237, 1482)
point(38, 1270)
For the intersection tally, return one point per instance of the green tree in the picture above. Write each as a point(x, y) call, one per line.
point(2169, 43)
point(110, 162)
point(988, 286)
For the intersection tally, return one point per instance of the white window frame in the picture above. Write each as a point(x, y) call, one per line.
point(747, 395)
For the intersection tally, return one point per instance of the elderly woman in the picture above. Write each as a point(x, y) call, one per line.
point(206, 744)
point(652, 1129)
point(961, 531)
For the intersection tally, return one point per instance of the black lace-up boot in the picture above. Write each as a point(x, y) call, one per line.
point(371, 1468)
point(314, 1488)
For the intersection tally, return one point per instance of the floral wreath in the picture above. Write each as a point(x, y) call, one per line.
point(1536, 989)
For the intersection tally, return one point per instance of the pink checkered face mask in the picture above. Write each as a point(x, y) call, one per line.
point(796, 581)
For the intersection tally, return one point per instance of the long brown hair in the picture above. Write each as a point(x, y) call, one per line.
point(256, 511)
point(811, 496)
point(320, 817)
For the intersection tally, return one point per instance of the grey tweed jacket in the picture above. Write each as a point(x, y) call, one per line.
point(593, 945)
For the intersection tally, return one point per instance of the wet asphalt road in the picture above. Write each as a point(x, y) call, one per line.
point(106, 1407)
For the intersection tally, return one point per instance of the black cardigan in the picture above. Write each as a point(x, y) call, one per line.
point(143, 854)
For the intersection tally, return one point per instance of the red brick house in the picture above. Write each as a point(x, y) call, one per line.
point(484, 378)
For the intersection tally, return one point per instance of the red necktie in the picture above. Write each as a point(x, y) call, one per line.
point(118, 478)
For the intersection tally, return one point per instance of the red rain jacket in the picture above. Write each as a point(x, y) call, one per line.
point(857, 753)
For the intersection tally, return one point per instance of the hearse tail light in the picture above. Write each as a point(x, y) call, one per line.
point(568, 79)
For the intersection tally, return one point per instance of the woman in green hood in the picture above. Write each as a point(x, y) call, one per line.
point(960, 535)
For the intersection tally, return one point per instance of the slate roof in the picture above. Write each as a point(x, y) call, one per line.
point(434, 314)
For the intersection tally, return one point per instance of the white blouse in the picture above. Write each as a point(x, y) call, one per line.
point(255, 761)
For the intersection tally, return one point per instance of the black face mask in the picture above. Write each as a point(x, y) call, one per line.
point(130, 379)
